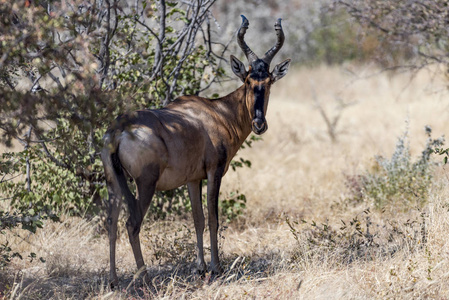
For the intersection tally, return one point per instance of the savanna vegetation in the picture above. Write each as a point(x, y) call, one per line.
point(344, 197)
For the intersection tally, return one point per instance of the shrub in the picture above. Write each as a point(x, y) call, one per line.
point(397, 181)
point(233, 206)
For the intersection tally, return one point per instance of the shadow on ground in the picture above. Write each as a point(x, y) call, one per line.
point(161, 280)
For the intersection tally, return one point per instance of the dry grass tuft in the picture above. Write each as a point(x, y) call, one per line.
point(342, 250)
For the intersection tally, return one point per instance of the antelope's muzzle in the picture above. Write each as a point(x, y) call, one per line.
point(259, 125)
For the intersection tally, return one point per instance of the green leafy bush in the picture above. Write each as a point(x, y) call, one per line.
point(233, 206)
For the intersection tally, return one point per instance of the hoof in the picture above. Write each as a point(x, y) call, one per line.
point(215, 274)
point(141, 277)
point(217, 271)
point(199, 271)
point(113, 284)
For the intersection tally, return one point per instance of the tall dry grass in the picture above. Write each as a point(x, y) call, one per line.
point(297, 174)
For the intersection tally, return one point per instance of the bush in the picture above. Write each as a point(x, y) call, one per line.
point(233, 206)
point(397, 181)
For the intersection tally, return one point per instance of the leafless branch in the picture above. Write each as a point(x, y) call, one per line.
point(417, 25)
point(8, 82)
point(200, 10)
point(26, 145)
point(56, 79)
point(331, 123)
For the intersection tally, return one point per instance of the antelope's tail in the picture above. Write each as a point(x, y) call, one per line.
point(114, 172)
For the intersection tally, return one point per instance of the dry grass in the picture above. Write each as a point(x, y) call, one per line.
point(297, 173)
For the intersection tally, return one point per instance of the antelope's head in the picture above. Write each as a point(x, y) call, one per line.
point(258, 79)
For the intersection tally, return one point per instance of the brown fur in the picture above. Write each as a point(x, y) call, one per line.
point(190, 140)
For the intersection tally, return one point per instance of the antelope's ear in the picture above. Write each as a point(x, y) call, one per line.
point(238, 68)
point(280, 70)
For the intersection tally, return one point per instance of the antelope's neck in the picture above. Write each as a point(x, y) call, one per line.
point(237, 116)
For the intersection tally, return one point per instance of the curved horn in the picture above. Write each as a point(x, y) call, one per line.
point(250, 55)
point(281, 37)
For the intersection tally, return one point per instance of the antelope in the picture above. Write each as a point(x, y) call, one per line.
point(190, 140)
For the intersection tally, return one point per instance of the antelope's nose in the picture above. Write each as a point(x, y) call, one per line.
point(259, 125)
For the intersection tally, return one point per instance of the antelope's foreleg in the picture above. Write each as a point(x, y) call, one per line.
point(213, 189)
point(198, 219)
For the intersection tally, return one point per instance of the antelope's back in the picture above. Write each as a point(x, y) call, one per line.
point(167, 144)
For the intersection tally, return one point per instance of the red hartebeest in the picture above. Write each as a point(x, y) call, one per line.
point(191, 139)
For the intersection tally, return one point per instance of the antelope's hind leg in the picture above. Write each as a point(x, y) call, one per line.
point(115, 201)
point(198, 219)
point(137, 210)
point(114, 176)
